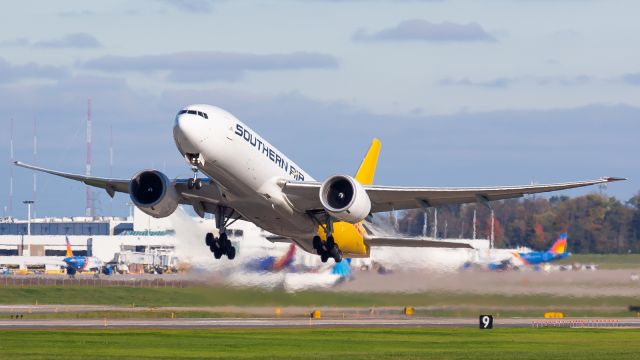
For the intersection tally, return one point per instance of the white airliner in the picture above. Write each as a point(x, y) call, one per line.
point(248, 178)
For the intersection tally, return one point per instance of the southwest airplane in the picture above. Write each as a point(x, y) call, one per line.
point(248, 178)
point(80, 263)
point(557, 251)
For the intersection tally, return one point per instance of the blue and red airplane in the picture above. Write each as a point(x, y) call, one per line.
point(557, 251)
point(80, 263)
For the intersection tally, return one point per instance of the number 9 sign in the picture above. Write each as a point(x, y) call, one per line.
point(486, 322)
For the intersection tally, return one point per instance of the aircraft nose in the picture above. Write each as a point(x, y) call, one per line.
point(188, 130)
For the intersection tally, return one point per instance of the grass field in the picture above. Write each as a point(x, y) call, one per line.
point(210, 296)
point(605, 261)
point(325, 343)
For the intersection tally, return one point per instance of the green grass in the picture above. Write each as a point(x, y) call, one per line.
point(209, 296)
point(321, 343)
point(605, 261)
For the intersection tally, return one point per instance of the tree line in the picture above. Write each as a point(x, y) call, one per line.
point(595, 222)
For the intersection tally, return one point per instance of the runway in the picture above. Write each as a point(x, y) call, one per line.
point(193, 323)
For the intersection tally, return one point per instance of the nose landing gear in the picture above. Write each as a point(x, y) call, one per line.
point(194, 160)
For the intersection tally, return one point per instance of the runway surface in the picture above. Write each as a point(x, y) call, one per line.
point(297, 322)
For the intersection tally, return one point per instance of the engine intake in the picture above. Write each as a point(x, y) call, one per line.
point(153, 193)
point(344, 198)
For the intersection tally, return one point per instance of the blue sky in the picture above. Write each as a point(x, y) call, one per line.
point(461, 93)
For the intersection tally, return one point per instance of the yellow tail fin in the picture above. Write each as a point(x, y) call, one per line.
point(368, 167)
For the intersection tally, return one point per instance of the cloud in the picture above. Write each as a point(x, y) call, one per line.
point(632, 79)
point(493, 83)
point(191, 6)
point(423, 30)
point(15, 42)
point(10, 72)
point(504, 82)
point(211, 66)
point(74, 13)
point(77, 40)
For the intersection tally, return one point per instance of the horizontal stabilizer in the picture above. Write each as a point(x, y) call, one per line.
point(414, 242)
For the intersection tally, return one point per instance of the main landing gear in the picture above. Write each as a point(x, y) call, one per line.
point(222, 245)
point(328, 249)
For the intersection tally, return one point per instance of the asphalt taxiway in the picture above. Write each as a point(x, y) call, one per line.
point(193, 323)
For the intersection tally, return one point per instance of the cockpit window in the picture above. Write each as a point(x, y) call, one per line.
point(194, 112)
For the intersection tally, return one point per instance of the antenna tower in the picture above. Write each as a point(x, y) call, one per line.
point(89, 211)
point(35, 158)
point(11, 169)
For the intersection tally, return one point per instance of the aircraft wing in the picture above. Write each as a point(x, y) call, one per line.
point(203, 200)
point(305, 195)
point(110, 185)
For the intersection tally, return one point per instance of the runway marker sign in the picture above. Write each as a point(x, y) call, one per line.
point(486, 322)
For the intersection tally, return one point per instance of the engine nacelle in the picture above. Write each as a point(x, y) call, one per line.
point(344, 198)
point(153, 193)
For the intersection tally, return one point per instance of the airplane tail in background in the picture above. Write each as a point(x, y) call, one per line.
point(69, 252)
point(367, 168)
point(560, 246)
point(285, 260)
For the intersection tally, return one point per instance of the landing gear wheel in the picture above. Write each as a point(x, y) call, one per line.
point(324, 257)
point(190, 184)
point(317, 243)
point(338, 257)
point(198, 184)
point(231, 254)
point(209, 239)
point(217, 253)
point(330, 243)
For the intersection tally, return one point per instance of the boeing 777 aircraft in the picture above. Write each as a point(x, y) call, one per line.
point(248, 178)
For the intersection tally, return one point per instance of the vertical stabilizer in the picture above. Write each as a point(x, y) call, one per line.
point(367, 168)
point(560, 246)
point(69, 252)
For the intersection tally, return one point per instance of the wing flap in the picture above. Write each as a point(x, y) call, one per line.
point(414, 242)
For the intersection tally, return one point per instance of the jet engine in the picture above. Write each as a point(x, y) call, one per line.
point(344, 198)
point(153, 193)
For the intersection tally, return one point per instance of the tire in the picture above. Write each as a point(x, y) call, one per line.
point(217, 254)
point(338, 257)
point(317, 243)
point(231, 254)
point(190, 184)
point(324, 257)
point(198, 184)
point(208, 239)
point(330, 243)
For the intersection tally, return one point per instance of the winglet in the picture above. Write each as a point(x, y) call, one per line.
point(612, 179)
point(367, 168)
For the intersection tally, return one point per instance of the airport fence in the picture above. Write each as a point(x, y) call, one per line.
point(14, 281)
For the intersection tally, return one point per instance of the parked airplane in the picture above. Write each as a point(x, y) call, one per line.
point(557, 251)
point(80, 263)
point(248, 178)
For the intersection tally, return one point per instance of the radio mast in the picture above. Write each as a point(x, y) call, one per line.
point(11, 168)
point(88, 205)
